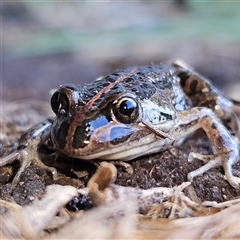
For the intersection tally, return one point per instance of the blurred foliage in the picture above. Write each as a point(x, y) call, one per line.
point(67, 26)
point(47, 43)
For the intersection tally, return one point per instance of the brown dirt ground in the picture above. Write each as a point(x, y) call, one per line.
point(165, 169)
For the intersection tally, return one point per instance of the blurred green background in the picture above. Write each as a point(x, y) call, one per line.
point(48, 43)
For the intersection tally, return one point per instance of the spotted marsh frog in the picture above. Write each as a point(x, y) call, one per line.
point(135, 112)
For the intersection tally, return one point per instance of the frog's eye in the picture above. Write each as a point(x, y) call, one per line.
point(59, 102)
point(125, 110)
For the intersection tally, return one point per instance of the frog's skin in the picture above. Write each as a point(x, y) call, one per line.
point(135, 112)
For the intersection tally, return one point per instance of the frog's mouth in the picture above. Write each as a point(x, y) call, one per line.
point(93, 138)
point(129, 149)
point(105, 139)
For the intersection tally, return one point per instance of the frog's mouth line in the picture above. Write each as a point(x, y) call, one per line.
point(126, 152)
point(113, 142)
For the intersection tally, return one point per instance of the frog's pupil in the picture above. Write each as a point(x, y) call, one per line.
point(127, 107)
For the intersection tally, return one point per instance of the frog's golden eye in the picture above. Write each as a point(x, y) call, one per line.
point(125, 110)
point(59, 103)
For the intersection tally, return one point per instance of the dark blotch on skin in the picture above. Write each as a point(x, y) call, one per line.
point(193, 85)
point(209, 103)
point(79, 134)
point(62, 133)
point(213, 126)
point(184, 77)
point(219, 142)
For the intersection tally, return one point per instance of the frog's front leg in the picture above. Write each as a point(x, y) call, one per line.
point(27, 151)
point(226, 148)
point(202, 93)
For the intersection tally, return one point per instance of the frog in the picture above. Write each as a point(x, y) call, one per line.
point(133, 112)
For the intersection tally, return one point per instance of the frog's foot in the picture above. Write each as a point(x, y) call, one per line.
point(27, 151)
point(26, 159)
point(127, 166)
point(211, 161)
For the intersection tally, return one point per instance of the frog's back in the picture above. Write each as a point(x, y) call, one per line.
point(144, 82)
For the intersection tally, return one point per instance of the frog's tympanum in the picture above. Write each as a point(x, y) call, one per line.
point(134, 112)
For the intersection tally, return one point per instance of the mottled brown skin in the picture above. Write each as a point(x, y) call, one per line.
point(156, 83)
point(202, 93)
point(138, 111)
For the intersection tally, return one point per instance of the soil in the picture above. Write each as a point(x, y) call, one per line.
point(165, 169)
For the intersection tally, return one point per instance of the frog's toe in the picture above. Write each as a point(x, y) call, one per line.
point(26, 164)
point(16, 155)
point(212, 161)
point(10, 158)
point(26, 159)
point(127, 166)
point(211, 164)
point(205, 158)
point(229, 176)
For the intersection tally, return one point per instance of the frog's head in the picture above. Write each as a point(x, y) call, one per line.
point(106, 120)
